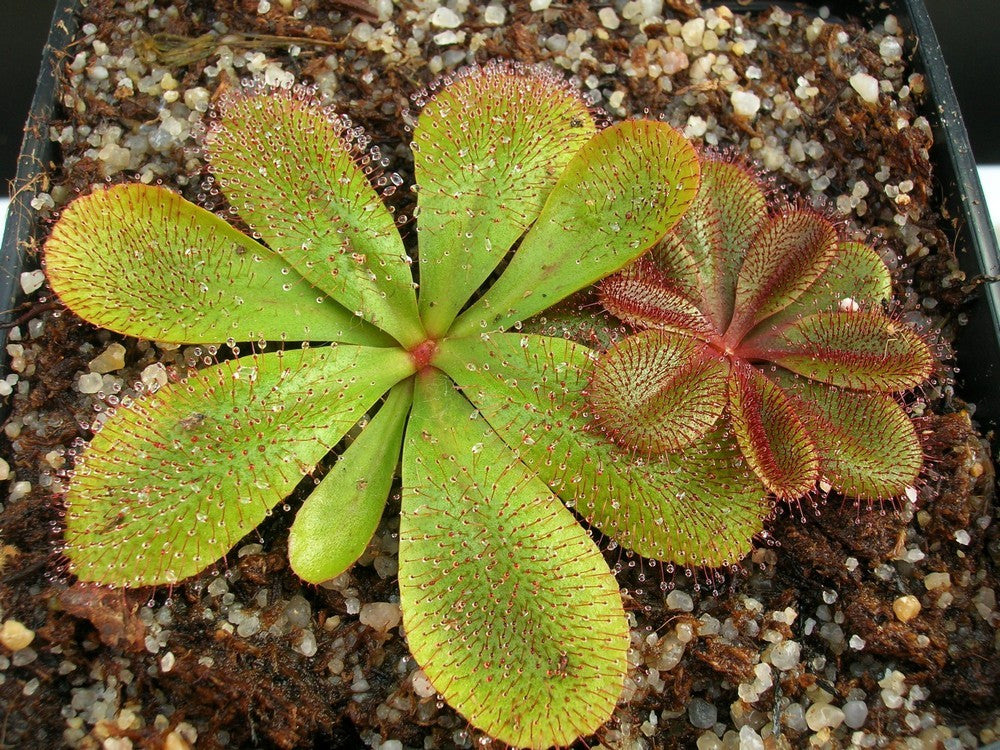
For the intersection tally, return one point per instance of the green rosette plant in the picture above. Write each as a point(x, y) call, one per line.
point(522, 200)
point(758, 314)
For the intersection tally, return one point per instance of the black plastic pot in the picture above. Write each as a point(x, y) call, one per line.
point(978, 343)
point(961, 195)
point(33, 166)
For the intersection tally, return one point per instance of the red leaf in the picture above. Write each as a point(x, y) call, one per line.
point(770, 434)
point(789, 253)
point(644, 298)
point(868, 446)
point(657, 392)
point(865, 350)
point(707, 249)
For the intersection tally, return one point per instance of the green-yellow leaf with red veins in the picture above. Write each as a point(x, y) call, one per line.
point(290, 168)
point(169, 485)
point(507, 603)
point(616, 178)
point(864, 350)
point(794, 314)
point(467, 224)
point(486, 550)
point(786, 256)
point(145, 262)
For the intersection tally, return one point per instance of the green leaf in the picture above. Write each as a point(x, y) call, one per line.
point(701, 507)
point(657, 392)
point(291, 169)
point(336, 522)
point(508, 606)
point(865, 350)
point(487, 150)
point(703, 255)
point(867, 444)
point(773, 439)
point(172, 482)
point(784, 259)
point(144, 262)
point(619, 194)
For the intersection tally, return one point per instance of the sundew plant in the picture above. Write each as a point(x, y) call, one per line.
point(522, 200)
point(757, 313)
point(505, 437)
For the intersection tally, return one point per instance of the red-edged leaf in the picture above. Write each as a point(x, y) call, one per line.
point(703, 255)
point(867, 444)
point(508, 605)
point(857, 279)
point(864, 350)
point(642, 297)
point(785, 257)
point(658, 392)
point(773, 439)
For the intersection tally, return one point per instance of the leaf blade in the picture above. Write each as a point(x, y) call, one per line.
point(705, 252)
point(619, 194)
point(867, 444)
point(331, 225)
point(145, 262)
point(539, 623)
point(785, 257)
point(643, 297)
point(530, 389)
point(863, 350)
point(771, 436)
point(857, 278)
point(335, 523)
point(658, 392)
point(488, 148)
point(207, 458)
